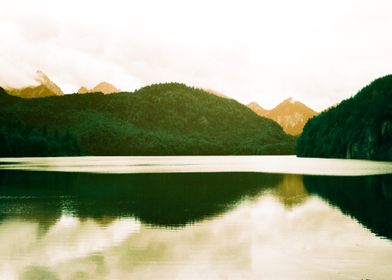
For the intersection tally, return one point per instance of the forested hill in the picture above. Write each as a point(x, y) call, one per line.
point(2, 92)
point(161, 119)
point(359, 127)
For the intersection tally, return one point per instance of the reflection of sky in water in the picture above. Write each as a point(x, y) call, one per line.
point(260, 238)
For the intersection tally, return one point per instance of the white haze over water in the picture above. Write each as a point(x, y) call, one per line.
point(179, 164)
point(318, 52)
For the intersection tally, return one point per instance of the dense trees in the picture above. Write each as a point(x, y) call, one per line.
point(17, 139)
point(359, 127)
point(161, 119)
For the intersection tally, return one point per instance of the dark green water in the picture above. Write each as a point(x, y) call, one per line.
point(56, 225)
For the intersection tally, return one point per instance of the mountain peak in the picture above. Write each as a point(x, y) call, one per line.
point(290, 100)
point(253, 104)
point(104, 87)
point(43, 79)
point(255, 107)
point(82, 90)
point(104, 84)
point(290, 114)
point(44, 88)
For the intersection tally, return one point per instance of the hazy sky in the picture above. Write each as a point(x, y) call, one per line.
point(318, 52)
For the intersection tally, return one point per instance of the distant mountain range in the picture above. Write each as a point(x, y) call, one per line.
point(44, 88)
point(291, 115)
point(161, 119)
point(103, 87)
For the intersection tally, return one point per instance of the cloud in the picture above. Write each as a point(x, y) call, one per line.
point(317, 52)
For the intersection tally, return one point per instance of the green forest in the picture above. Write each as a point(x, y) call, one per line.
point(161, 119)
point(359, 127)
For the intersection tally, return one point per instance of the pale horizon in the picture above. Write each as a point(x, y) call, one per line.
point(315, 52)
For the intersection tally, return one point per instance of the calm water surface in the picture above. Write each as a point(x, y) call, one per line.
point(195, 218)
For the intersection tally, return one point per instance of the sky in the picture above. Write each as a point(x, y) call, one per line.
point(318, 52)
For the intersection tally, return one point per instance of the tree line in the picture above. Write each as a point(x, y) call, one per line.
point(359, 127)
point(161, 119)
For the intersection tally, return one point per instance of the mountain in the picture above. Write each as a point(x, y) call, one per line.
point(103, 87)
point(45, 81)
point(255, 107)
point(290, 114)
point(45, 88)
point(161, 119)
point(217, 93)
point(31, 92)
point(359, 127)
point(83, 90)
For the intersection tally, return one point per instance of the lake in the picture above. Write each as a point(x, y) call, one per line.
point(246, 217)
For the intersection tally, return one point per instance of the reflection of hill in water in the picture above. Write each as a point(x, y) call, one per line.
point(367, 198)
point(291, 190)
point(158, 199)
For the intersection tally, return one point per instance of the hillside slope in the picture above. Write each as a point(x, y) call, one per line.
point(359, 127)
point(162, 119)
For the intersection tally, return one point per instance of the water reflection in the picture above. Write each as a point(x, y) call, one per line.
point(291, 190)
point(368, 199)
point(192, 226)
point(157, 199)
